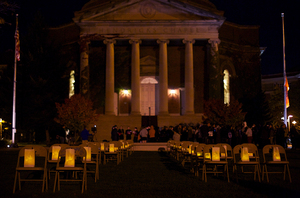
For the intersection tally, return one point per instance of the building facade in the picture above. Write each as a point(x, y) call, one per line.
point(156, 61)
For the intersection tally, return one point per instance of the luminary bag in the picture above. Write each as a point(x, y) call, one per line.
point(29, 158)
point(244, 154)
point(88, 153)
point(55, 152)
point(276, 154)
point(70, 158)
point(215, 153)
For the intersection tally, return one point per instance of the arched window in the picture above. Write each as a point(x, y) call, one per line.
point(72, 83)
point(226, 87)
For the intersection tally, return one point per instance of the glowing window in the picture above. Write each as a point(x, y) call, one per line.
point(72, 84)
point(226, 87)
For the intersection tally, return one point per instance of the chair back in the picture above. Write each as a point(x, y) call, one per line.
point(79, 151)
point(51, 150)
point(40, 152)
point(267, 150)
point(227, 149)
point(208, 148)
point(199, 149)
point(252, 149)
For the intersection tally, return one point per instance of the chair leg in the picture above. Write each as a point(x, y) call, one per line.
point(227, 173)
point(58, 181)
point(19, 175)
point(288, 169)
point(284, 170)
point(258, 173)
point(15, 182)
point(267, 174)
point(262, 174)
point(55, 181)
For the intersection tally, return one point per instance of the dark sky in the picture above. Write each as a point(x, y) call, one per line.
point(265, 13)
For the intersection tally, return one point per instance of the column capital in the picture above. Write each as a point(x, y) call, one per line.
point(192, 41)
point(163, 41)
point(109, 41)
point(131, 41)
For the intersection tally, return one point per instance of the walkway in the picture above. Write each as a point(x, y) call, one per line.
point(152, 174)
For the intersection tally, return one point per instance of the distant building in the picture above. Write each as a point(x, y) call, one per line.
point(269, 82)
point(157, 61)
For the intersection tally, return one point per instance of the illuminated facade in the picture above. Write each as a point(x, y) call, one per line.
point(159, 58)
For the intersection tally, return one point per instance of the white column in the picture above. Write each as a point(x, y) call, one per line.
point(163, 77)
point(189, 77)
point(110, 77)
point(135, 77)
point(84, 66)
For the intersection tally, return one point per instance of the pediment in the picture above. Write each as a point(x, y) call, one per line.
point(144, 10)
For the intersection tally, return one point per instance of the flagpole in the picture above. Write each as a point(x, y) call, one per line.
point(15, 86)
point(284, 71)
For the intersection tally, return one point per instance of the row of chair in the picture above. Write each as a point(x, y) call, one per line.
point(215, 158)
point(74, 162)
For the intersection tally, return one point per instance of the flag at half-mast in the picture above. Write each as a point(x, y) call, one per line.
point(17, 41)
point(287, 101)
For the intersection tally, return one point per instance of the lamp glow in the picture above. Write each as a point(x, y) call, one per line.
point(88, 153)
point(70, 158)
point(29, 158)
point(55, 152)
point(215, 153)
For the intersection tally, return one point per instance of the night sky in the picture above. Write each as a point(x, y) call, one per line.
point(265, 13)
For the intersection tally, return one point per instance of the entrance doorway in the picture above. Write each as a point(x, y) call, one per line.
point(148, 96)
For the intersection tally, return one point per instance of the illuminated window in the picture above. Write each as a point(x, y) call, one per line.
point(72, 84)
point(226, 87)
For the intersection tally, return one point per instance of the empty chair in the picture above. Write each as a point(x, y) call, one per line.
point(198, 162)
point(246, 155)
point(53, 153)
point(32, 159)
point(212, 160)
point(72, 161)
point(275, 157)
point(112, 151)
point(93, 159)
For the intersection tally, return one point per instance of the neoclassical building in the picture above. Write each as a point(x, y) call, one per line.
point(156, 61)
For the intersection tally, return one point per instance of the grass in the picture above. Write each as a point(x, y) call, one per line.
point(153, 174)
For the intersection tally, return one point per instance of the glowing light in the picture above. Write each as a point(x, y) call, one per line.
point(29, 158)
point(70, 158)
point(294, 122)
point(55, 151)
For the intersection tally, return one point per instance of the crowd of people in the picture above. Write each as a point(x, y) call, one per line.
point(210, 133)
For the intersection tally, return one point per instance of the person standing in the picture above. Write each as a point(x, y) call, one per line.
point(84, 135)
point(114, 133)
point(144, 135)
point(152, 134)
point(128, 133)
point(121, 133)
point(135, 134)
point(247, 132)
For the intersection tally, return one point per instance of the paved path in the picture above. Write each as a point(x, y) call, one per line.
point(152, 174)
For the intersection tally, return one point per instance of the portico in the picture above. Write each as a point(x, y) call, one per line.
point(166, 33)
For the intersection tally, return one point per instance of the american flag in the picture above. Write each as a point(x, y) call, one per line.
point(286, 84)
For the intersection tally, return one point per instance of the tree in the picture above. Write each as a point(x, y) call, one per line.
point(217, 112)
point(76, 113)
